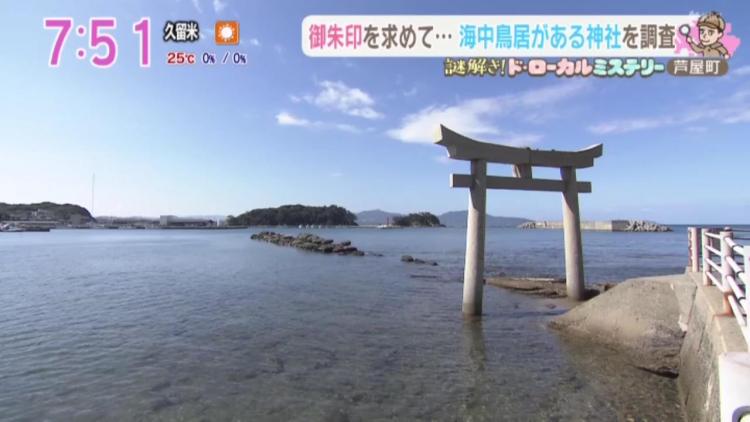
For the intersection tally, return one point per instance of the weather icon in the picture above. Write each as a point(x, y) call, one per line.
point(227, 33)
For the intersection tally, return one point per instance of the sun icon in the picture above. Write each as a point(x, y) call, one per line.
point(227, 32)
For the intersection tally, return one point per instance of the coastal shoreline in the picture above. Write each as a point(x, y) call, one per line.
point(666, 325)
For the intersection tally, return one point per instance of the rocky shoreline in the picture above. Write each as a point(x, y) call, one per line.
point(637, 317)
point(553, 288)
point(309, 242)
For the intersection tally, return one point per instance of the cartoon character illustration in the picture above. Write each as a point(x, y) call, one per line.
point(711, 28)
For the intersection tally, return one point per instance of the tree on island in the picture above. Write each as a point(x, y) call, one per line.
point(45, 211)
point(293, 215)
point(420, 219)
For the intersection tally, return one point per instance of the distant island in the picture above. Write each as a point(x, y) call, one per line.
point(376, 217)
point(43, 216)
point(420, 219)
point(294, 215)
point(449, 219)
point(51, 212)
point(459, 218)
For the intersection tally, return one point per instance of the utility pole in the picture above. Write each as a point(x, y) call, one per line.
point(93, 181)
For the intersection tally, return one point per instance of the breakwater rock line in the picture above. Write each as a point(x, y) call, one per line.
point(610, 225)
point(411, 259)
point(309, 242)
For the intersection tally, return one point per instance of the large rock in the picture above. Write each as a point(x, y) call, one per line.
point(411, 259)
point(540, 286)
point(639, 317)
point(645, 226)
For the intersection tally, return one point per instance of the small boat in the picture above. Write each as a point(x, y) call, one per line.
point(11, 228)
point(388, 225)
point(34, 229)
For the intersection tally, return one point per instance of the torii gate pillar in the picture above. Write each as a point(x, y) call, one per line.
point(574, 280)
point(475, 227)
point(523, 160)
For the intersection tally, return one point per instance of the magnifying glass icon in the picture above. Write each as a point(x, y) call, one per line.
point(685, 29)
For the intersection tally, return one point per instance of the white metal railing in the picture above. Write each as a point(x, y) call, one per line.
point(725, 263)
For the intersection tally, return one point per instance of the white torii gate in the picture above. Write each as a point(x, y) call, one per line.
point(523, 159)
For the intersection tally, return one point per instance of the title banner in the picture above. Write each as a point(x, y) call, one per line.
point(493, 36)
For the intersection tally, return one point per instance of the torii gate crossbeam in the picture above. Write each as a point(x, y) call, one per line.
point(523, 160)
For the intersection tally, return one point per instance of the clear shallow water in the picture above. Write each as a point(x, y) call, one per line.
point(209, 325)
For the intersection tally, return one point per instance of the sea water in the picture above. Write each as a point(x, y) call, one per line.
point(210, 325)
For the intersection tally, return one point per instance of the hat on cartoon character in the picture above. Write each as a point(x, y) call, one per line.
point(712, 20)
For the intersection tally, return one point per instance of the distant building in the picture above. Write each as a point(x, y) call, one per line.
point(42, 214)
point(31, 224)
point(77, 219)
point(171, 221)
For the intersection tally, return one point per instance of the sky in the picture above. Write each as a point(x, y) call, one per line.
point(356, 132)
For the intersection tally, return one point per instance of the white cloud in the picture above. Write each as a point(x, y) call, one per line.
point(519, 139)
point(197, 6)
point(336, 95)
point(741, 71)
point(697, 129)
point(205, 31)
point(629, 125)
point(411, 92)
point(219, 5)
point(468, 117)
point(741, 116)
point(344, 127)
point(287, 119)
point(254, 42)
point(442, 159)
point(476, 117)
point(733, 109)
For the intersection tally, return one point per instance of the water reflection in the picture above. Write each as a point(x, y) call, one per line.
point(173, 325)
point(474, 346)
point(477, 379)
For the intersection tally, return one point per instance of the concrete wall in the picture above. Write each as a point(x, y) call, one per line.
point(708, 335)
point(608, 225)
point(672, 325)
point(619, 225)
point(585, 225)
